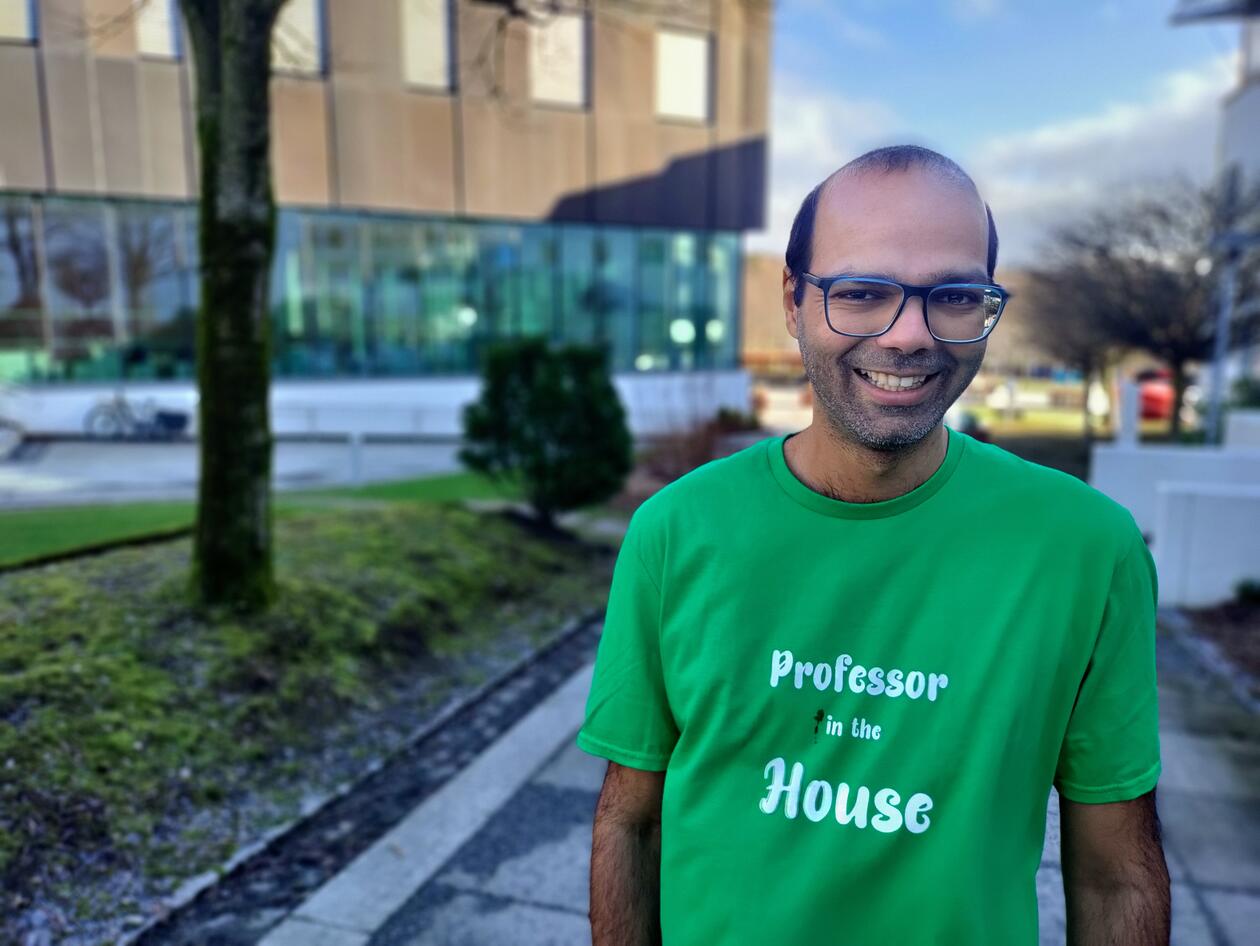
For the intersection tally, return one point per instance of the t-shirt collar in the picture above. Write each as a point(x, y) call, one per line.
point(847, 510)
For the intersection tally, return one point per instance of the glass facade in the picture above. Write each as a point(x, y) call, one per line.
point(97, 290)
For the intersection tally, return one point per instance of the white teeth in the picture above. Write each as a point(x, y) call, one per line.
point(890, 382)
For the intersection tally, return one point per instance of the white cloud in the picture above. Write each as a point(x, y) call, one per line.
point(812, 134)
point(1032, 179)
point(1035, 178)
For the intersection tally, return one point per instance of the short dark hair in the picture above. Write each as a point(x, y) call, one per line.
point(886, 160)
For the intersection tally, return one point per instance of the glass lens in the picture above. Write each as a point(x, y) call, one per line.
point(963, 313)
point(860, 306)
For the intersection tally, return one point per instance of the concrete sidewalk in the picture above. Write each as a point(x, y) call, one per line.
point(82, 471)
point(506, 852)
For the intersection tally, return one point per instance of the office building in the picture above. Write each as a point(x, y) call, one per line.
point(448, 173)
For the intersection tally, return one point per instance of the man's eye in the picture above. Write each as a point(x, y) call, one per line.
point(958, 298)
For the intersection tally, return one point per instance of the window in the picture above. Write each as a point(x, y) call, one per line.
point(682, 76)
point(17, 20)
point(557, 60)
point(297, 44)
point(426, 43)
point(155, 30)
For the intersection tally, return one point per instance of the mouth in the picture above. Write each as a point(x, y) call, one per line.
point(894, 384)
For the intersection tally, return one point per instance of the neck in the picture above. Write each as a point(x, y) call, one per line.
point(853, 473)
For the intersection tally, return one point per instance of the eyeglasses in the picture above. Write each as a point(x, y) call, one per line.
point(866, 306)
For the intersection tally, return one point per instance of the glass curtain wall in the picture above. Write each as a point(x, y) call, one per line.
point(107, 290)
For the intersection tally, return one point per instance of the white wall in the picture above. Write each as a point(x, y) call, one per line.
point(1242, 428)
point(655, 402)
point(1131, 474)
point(1208, 541)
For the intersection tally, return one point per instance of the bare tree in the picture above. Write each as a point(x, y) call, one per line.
point(1137, 275)
point(1069, 319)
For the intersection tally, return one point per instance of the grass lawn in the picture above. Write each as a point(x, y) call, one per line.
point(144, 740)
point(31, 533)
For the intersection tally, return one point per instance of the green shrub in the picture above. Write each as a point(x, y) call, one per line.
point(730, 420)
point(1247, 591)
point(549, 421)
point(1245, 393)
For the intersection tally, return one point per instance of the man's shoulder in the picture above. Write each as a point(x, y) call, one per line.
point(705, 492)
point(1042, 491)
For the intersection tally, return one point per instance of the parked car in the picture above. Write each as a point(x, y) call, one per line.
point(1155, 393)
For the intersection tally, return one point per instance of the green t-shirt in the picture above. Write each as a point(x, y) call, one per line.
point(860, 708)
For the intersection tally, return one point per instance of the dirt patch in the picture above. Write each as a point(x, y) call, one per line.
point(1235, 628)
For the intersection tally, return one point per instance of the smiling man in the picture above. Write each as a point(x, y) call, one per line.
point(1027, 597)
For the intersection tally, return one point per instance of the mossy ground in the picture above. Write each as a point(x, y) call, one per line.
point(125, 715)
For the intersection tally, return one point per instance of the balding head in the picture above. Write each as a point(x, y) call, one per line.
point(882, 161)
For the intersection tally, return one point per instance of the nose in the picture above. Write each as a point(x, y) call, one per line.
point(909, 333)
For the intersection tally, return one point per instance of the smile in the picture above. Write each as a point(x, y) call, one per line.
point(892, 382)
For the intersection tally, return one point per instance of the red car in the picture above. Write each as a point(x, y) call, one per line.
point(1155, 393)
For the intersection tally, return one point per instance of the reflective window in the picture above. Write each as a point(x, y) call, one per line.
point(426, 43)
point(682, 75)
point(721, 329)
point(652, 349)
point(393, 303)
point(578, 322)
point(107, 289)
point(21, 308)
point(557, 59)
point(613, 302)
point(540, 281)
point(157, 279)
point(80, 296)
point(297, 41)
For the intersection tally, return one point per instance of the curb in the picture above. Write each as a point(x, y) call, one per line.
point(357, 901)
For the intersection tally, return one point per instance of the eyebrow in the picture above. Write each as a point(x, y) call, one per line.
point(942, 276)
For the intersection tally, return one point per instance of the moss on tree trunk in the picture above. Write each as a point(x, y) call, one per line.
point(232, 562)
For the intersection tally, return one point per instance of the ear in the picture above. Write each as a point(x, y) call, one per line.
point(789, 303)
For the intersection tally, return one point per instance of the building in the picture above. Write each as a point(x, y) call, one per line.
point(448, 172)
point(1238, 147)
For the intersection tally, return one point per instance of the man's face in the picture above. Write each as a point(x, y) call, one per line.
point(915, 228)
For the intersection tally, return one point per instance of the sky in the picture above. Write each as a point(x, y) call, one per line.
point(1052, 107)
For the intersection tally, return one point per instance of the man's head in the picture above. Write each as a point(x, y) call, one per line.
point(908, 214)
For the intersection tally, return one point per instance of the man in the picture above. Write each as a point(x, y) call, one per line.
point(841, 669)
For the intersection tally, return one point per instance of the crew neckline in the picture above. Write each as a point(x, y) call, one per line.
point(842, 509)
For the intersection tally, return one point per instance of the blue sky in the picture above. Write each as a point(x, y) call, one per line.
point(1052, 106)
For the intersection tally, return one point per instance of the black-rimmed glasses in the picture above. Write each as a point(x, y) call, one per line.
point(866, 306)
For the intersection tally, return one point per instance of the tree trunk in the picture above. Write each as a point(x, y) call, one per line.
point(1179, 394)
point(232, 563)
point(1087, 427)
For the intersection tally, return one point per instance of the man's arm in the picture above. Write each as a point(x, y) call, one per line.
point(626, 859)
point(1115, 879)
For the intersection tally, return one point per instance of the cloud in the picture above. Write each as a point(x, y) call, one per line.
point(831, 19)
point(812, 134)
point(1039, 177)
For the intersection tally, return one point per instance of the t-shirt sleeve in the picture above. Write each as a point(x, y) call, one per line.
point(1110, 751)
point(628, 718)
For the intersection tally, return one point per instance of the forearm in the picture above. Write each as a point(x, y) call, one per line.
point(625, 883)
point(1132, 914)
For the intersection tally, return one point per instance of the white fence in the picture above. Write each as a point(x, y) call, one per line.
point(1208, 540)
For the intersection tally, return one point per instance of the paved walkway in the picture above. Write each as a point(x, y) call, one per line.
point(504, 855)
point(81, 471)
